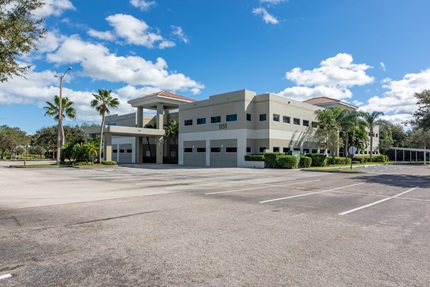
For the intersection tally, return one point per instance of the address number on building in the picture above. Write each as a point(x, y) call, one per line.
point(222, 126)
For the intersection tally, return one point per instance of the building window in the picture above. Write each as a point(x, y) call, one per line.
point(314, 124)
point(248, 149)
point(275, 118)
point(263, 117)
point(121, 151)
point(188, 122)
point(248, 117)
point(115, 151)
point(285, 149)
point(188, 149)
point(216, 119)
point(201, 149)
point(276, 149)
point(201, 121)
point(215, 149)
point(262, 149)
point(296, 121)
point(314, 150)
point(305, 123)
point(286, 119)
point(129, 151)
point(231, 149)
point(231, 118)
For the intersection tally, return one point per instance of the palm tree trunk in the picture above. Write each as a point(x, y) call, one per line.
point(63, 141)
point(371, 142)
point(346, 145)
point(101, 137)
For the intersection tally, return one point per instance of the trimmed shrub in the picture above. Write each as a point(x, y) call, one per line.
point(305, 161)
point(342, 160)
point(254, 157)
point(271, 159)
point(108, 162)
point(318, 159)
point(361, 159)
point(380, 158)
point(287, 161)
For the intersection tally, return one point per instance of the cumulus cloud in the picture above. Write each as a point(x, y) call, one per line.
point(54, 8)
point(267, 18)
point(332, 79)
point(142, 4)
point(98, 63)
point(133, 31)
point(399, 102)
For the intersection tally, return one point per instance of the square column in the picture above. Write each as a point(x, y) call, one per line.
point(108, 147)
point(139, 117)
point(138, 144)
point(159, 153)
point(160, 116)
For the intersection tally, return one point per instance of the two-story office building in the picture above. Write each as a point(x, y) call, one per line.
point(216, 132)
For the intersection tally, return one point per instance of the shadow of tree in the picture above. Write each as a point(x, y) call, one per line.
point(398, 180)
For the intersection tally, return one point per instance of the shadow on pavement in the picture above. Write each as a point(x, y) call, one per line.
point(399, 180)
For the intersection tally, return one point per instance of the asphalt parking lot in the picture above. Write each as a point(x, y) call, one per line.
point(173, 226)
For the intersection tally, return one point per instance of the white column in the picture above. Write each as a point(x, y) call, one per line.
point(208, 153)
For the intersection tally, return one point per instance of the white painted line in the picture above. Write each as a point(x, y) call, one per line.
point(260, 187)
point(5, 276)
point(311, 193)
point(376, 202)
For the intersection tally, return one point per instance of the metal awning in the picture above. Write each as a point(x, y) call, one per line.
point(416, 150)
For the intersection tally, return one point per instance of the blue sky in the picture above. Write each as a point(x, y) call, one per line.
point(370, 53)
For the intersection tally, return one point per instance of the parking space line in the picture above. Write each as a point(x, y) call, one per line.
point(260, 187)
point(5, 276)
point(376, 202)
point(310, 193)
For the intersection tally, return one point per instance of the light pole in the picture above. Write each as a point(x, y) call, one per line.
point(60, 115)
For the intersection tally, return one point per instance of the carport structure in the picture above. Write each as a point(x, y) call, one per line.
point(416, 150)
point(162, 102)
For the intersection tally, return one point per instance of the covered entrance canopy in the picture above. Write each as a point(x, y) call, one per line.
point(162, 102)
point(410, 150)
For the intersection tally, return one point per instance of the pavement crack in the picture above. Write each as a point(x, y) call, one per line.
point(16, 220)
point(112, 218)
point(7, 269)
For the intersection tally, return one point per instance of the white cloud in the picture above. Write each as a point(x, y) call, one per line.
point(382, 65)
point(304, 93)
point(179, 33)
point(98, 63)
point(399, 102)
point(107, 35)
point(54, 8)
point(268, 18)
point(132, 31)
point(338, 71)
point(142, 4)
point(272, 2)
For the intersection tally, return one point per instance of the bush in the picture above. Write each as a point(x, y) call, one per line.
point(342, 160)
point(108, 162)
point(305, 161)
point(271, 159)
point(318, 159)
point(287, 161)
point(254, 157)
point(361, 159)
point(380, 158)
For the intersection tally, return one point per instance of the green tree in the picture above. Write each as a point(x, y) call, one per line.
point(328, 129)
point(11, 138)
point(102, 102)
point(422, 115)
point(419, 138)
point(52, 109)
point(385, 138)
point(171, 131)
point(20, 32)
point(371, 119)
point(349, 121)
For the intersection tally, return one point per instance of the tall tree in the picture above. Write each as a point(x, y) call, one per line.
point(371, 119)
point(20, 32)
point(171, 131)
point(349, 121)
point(385, 138)
point(10, 138)
point(327, 133)
point(102, 102)
point(422, 115)
point(419, 138)
point(53, 110)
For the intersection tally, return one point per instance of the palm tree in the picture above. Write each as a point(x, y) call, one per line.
point(52, 109)
point(349, 122)
point(172, 131)
point(102, 102)
point(328, 129)
point(371, 119)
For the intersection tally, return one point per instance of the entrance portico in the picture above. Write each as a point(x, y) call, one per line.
point(162, 102)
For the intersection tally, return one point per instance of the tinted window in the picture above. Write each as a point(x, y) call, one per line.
point(215, 149)
point(216, 119)
point(231, 118)
point(296, 121)
point(201, 121)
point(248, 117)
point(188, 149)
point(275, 118)
point(286, 119)
point(305, 123)
point(262, 117)
point(231, 149)
point(188, 122)
point(201, 149)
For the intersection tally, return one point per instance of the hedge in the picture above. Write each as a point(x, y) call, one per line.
point(318, 159)
point(108, 162)
point(380, 158)
point(361, 159)
point(254, 157)
point(342, 160)
point(305, 161)
point(287, 161)
point(271, 159)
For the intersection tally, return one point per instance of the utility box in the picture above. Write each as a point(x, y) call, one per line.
point(295, 153)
